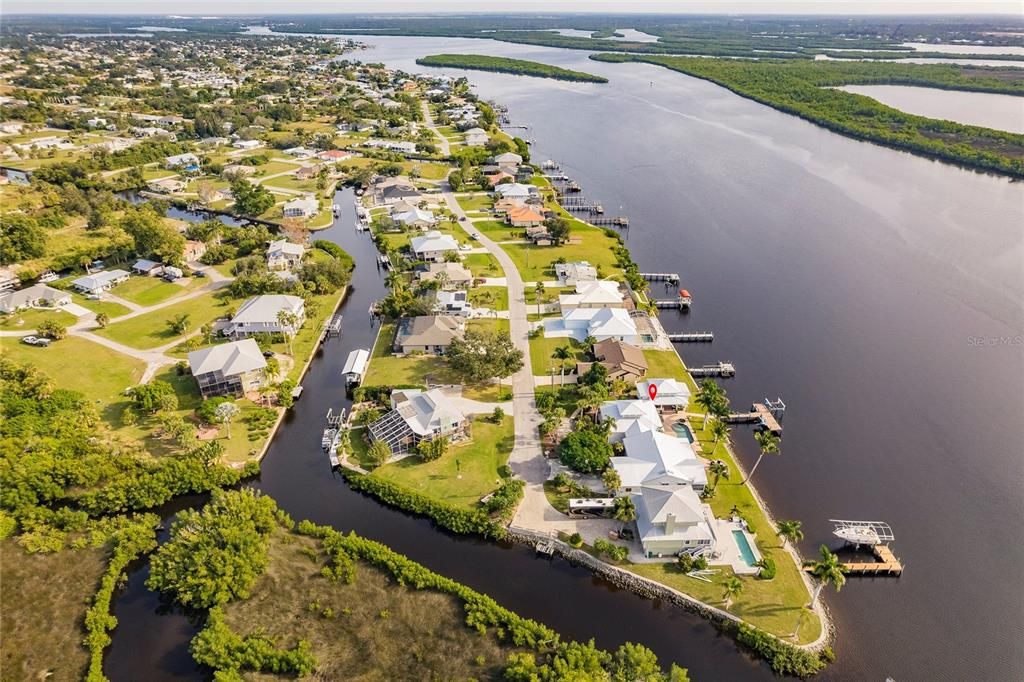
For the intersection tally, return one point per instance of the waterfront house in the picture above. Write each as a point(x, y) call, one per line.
point(99, 282)
point(623, 361)
point(596, 294)
point(476, 137)
point(284, 255)
point(427, 333)
point(194, 250)
point(36, 296)
point(417, 416)
point(656, 458)
point(672, 394)
point(149, 268)
point(259, 315)
point(571, 274)
point(393, 190)
point(630, 418)
point(508, 161)
point(412, 216)
point(600, 323)
point(228, 369)
point(524, 216)
point(672, 521)
point(433, 246)
point(165, 185)
point(515, 190)
point(450, 275)
point(301, 208)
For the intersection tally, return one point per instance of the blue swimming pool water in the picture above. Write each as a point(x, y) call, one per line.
point(744, 546)
point(683, 431)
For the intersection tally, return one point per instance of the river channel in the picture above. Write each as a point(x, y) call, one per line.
point(878, 293)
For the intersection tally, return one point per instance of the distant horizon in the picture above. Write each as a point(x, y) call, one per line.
point(212, 9)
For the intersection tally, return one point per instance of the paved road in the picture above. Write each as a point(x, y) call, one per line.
point(428, 118)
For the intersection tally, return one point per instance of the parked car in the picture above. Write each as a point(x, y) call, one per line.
point(40, 341)
point(30, 340)
point(268, 353)
point(97, 264)
point(94, 297)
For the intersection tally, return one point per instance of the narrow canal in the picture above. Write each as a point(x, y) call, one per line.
point(297, 474)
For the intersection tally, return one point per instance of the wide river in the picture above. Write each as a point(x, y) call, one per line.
point(881, 295)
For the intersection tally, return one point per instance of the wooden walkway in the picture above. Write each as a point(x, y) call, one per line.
point(887, 564)
point(758, 413)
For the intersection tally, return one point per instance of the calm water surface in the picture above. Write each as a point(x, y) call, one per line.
point(878, 293)
point(1001, 112)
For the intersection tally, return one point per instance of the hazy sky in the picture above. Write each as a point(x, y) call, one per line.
point(209, 7)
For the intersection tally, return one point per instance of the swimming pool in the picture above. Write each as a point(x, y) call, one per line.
point(683, 431)
point(745, 551)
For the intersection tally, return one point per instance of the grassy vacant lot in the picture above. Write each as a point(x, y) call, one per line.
point(103, 377)
point(150, 290)
point(150, 330)
point(427, 170)
point(495, 298)
point(542, 349)
point(290, 182)
point(29, 318)
point(371, 630)
point(483, 265)
point(475, 475)
point(536, 263)
point(109, 307)
point(475, 202)
point(45, 597)
point(499, 231)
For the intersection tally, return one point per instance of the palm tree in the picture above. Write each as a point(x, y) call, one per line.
point(287, 321)
point(769, 444)
point(102, 320)
point(625, 511)
point(708, 395)
point(791, 531)
point(225, 413)
point(719, 469)
point(829, 570)
point(731, 588)
point(538, 289)
point(719, 429)
point(612, 481)
point(562, 353)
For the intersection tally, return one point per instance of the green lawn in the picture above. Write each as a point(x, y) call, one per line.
point(541, 350)
point(667, 364)
point(476, 474)
point(427, 170)
point(495, 298)
point(103, 377)
point(291, 182)
point(536, 263)
point(489, 325)
point(475, 202)
point(30, 317)
point(483, 265)
point(109, 307)
point(499, 231)
point(148, 291)
point(150, 329)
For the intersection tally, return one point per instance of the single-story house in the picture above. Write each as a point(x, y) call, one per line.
point(413, 216)
point(228, 368)
point(631, 418)
point(194, 250)
point(600, 323)
point(300, 152)
point(165, 185)
point(596, 294)
point(334, 155)
point(181, 161)
point(427, 333)
point(476, 137)
point(308, 172)
point(301, 208)
point(99, 281)
point(671, 521)
point(260, 315)
point(508, 161)
point(495, 179)
point(538, 234)
point(571, 274)
point(450, 275)
point(284, 255)
point(417, 416)
point(524, 216)
point(622, 360)
point(238, 170)
point(452, 303)
point(393, 190)
point(671, 393)
point(144, 266)
point(515, 190)
point(247, 144)
point(36, 296)
point(433, 246)
point(656, 458)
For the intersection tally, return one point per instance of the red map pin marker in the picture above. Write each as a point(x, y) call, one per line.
point(652, 391)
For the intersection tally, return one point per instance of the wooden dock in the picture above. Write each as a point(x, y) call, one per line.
point(722, 369)
point(887, 564)
point(759, 414)
point(691, 337)
point(669, 277)
point(610, 221)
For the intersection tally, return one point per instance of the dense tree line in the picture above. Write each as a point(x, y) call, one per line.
point(519, 67)
point(807, 90)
